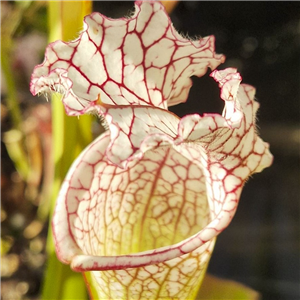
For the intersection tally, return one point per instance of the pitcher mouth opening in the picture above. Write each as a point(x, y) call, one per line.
point(161, 202)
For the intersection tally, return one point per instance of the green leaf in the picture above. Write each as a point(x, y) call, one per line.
point(214, 288)
point(70, 136)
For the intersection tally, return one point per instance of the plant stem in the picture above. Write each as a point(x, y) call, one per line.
point(12, 98)
point(70, 137)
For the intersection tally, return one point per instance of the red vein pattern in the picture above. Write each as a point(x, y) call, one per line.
point(141, 206)
point(141, 60)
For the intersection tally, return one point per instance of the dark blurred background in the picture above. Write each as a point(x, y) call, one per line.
point(260, 248)
point(262, 39)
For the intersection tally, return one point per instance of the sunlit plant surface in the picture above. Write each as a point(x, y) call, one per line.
point(141, 206)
